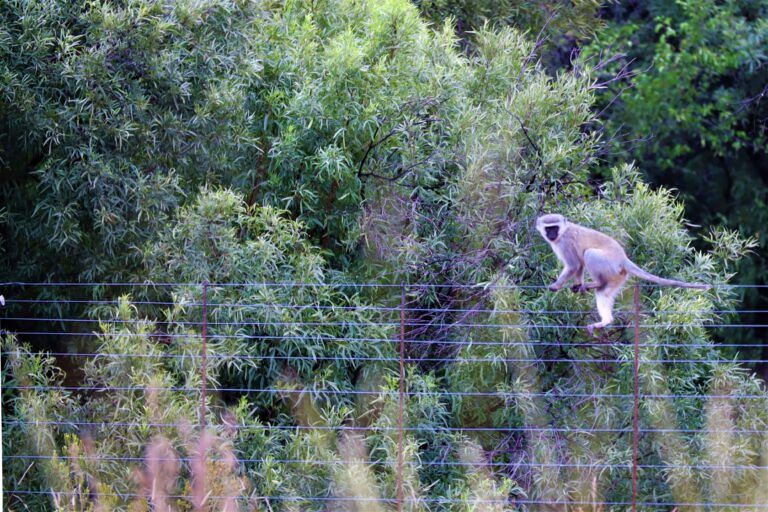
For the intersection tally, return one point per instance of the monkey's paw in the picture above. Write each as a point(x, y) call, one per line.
point(579, 288)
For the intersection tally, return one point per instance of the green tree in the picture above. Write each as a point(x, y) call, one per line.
point(375, 150)
point(693, 116)
point(112, 113)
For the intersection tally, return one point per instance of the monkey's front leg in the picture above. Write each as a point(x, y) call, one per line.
point(572, 267)
point(578, 283)
point(585, 287)
point(565, 276)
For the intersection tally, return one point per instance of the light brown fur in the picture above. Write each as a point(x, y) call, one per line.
point(583, 249)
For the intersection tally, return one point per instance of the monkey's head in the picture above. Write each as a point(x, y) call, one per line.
point(551, 226)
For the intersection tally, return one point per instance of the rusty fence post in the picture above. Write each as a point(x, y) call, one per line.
point(204, 357)
point(401, 403)
point(636, 398)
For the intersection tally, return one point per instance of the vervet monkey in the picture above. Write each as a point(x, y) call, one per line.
point(579, 249)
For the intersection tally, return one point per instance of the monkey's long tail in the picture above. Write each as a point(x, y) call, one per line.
point(642, 274)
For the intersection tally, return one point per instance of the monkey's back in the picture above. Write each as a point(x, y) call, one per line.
point(585, 238)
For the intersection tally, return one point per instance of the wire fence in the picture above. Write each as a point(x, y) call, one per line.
point(533, 375)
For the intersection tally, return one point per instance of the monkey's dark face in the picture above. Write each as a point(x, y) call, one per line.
point(551, 232)
point(551, 227)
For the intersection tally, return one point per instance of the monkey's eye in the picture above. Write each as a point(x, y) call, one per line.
point(551, 232)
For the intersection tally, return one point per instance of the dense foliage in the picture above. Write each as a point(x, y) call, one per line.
point(681, 91)
point(114, 114)
point(694, 114)
point(553, 20)
point(245, 162)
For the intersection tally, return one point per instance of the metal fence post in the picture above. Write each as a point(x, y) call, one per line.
point(204, 355)
point(636, 398)
point(401, 403)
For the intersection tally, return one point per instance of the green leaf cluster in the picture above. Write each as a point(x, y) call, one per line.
point(113, 114)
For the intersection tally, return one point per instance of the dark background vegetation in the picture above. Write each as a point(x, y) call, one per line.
point(326, 142)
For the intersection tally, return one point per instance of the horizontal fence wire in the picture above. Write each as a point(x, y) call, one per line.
point(364, 499)
point(476, 286)
point(318, 319)
point(350, 359)
point(348, 428)
point(320, 462)
point(323, 338)
point(333, 391)
point(373, 323)
point(382, 309)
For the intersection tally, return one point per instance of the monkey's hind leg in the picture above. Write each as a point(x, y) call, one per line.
point(608, 280)
point(604, 299)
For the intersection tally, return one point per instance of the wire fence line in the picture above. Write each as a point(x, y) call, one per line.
point(460, 359)
point(383, 309)
point(342, 462)
point(379, 392)
point(322, 338)
point(482, 286)
point(345, 323)
point(348, 428)
point(401, 321)
point(475, 501)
